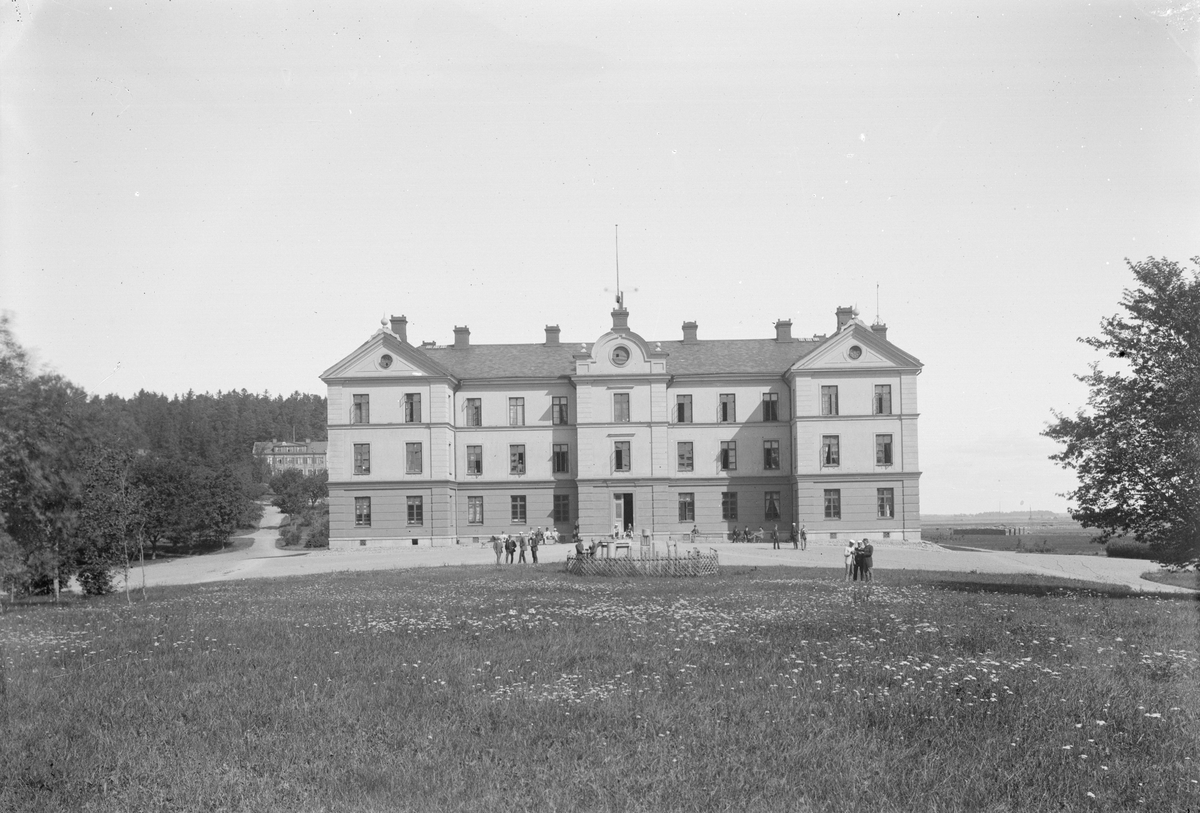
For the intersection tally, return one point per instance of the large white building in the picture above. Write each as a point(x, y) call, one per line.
point(435, 444)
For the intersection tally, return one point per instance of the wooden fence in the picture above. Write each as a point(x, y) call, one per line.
point(704, 564)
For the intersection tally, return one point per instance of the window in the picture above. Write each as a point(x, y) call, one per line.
point(883, 450)
point(830, 456)
point(687, 506)
point(412, 407)
point(770, 454)
point(518, 508)
point(562, 507)
point(621, 455)
point(729, 506)
point(412, 458)
point(620, 407)
point(770, 406)
point(883, 399)
point(685, 456)
point(361, 411)
point(474, 460)
point(516, 411)
point(683, 409)
point(475, 510)
point(833, 503)
point(562, 459)
point(727, 408)
point(416, 511)
point(516, 459)
point(771, 504)
point(474, 412)
point(728, 455)
point(558, 410)
point(829, 401)
point(362, 512)
point(362, 458)
point(885, 499)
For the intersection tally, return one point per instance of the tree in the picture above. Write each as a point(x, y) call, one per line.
point(42, 432)
point(1136, 450)
point(113, 517)
point(290, 493)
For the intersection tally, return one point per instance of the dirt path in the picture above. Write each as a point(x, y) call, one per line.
point(263, 560)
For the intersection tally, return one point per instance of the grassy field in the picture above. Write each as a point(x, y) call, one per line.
point(523, 689)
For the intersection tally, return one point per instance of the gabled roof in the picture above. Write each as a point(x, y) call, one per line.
point(504, 360)
point(735, 355)
point(701, 357)
point(262, 447)
point(692, 358)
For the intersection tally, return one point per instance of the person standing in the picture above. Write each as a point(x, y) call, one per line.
point(533, 546)
point(510, 547)
point(803, 538)
point(848, 555)
point(695, 533)
point(579, 551)
point(868, 561)
point(775, 537)
point(858, 561)
point(795, 537)
point(522, 543)
point(498, 547)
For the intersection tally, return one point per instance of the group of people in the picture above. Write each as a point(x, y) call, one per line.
point(858, 556)
point(798, 536)
point(507, 546)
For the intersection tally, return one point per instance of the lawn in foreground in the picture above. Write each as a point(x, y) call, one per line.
point(482, 689)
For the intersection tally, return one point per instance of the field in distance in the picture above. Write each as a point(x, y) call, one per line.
point(1041, 532)
point(473, 688)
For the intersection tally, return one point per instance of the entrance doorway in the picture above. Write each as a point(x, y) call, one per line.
point(623, 512)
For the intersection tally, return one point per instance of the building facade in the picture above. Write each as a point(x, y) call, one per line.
point(437, 444)
point(308, 457)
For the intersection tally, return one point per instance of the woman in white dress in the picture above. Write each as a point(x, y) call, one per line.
point(848, 555)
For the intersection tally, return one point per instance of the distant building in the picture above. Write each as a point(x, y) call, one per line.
point(438, 443)
point(280, 455)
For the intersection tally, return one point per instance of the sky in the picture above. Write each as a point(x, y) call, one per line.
point(212, 196)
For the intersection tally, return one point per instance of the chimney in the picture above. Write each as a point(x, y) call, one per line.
point(400, 328)
point(620, 318)
point(783, 330)
point(844, 315)
point(552, 335)
point(880, 330)
point(462, 337)
point(689, 332)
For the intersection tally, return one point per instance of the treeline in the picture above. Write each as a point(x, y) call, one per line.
point(90, 483)
point(214, 430)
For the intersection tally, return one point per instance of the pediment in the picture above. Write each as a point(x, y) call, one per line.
point(385, 356)
point(854, 347)
point(621, 352)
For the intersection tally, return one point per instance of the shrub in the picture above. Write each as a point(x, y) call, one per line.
point(319, 534)
point(95, 579)
point(1128, 549)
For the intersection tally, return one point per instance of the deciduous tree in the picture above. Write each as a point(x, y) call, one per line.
point(1136, 448)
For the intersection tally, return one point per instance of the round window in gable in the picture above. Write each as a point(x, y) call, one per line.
point(385, 361)
point(855, 352)
point(620, 355)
